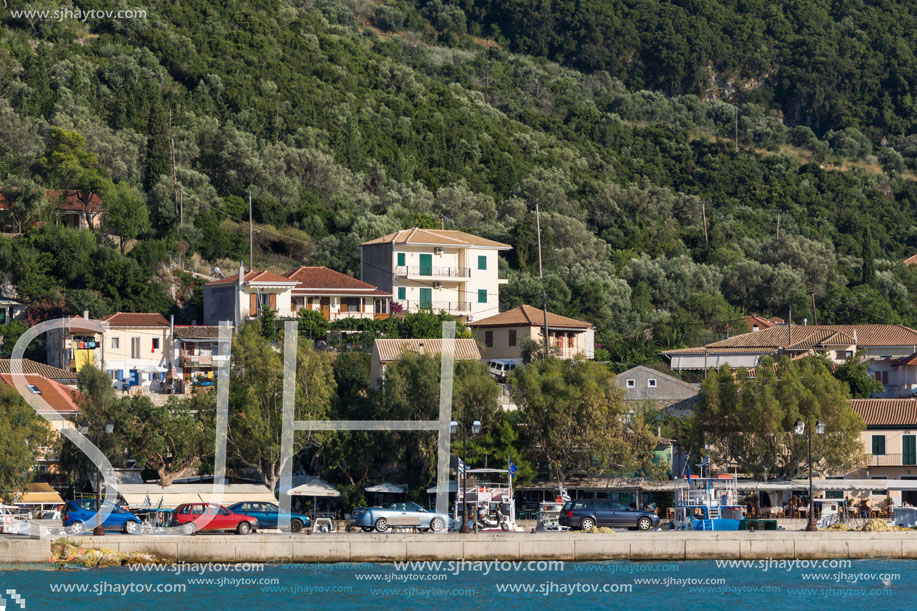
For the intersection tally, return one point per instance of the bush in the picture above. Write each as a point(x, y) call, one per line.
point(387, 19)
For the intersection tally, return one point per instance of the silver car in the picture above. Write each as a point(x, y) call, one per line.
point(383, 519)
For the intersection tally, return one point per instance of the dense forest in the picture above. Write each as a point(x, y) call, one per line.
point(693, 161)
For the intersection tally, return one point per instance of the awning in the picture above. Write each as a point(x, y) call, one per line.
point(315, 487)
point(387, 488)
point(39, 494)
point(453, 487)
point(135, 495)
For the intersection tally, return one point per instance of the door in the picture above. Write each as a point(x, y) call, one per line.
point(135, 377)
point(426, 298)
point(604, 515)
point(266, 514)
point(426, 265)
point(325, 305)
point(622, 515)
point(909, 450)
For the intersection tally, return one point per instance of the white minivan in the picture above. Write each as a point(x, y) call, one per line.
point(500, 368)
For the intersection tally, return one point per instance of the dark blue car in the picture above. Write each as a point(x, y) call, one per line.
point(80, 516)
point(267, 515)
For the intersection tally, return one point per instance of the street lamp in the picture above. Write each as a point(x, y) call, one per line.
point(98, 531)
point(463, 480)
point(800, 429)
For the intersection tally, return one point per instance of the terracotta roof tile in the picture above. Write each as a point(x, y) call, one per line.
point(70, 202)
point(863, 335)
point(322, 280)
point(136, 319)
point(912, 260)
point(254, 276)
point(393, 349)
point(526, 315)
point(197, 332)
point(63, 400)
point(34, 367)
point(887, 412)
point(437, 237)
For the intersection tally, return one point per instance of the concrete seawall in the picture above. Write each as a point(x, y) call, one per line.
point(540, 546)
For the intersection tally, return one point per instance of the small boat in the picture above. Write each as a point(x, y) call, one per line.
point(491, 505)
point(708, 503)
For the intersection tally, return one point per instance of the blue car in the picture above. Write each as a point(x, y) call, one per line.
point(80, 517)
point(267, 515)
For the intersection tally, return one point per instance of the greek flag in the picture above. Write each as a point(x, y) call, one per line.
point(512, 467)
point(461, 466)
point(147, 502)
point(564, 495)
point(706, 461)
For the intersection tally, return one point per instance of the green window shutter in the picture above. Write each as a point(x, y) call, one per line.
point(400, 259)
point(908, 450)
point(426, 298)
point(482, 295)
point(401, 293)
point(878, 445)
point(426, 265)
point(482, 261)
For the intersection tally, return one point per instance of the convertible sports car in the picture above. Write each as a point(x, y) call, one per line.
point(379, 518)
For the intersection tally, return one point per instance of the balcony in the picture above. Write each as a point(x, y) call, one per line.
point(420, 272)
point(436, 306)
point(892, 460)
point(197, 360)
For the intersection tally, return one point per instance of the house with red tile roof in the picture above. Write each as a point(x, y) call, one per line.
point(501, 336)
point(436, 269)
point(68, 207)
point(890, 444)
point(912, 260)
point(890, 350)
point(246, 295)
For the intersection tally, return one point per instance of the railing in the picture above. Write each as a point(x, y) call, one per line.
point(438, 272)
point(199, 360)
point(436, 306)
point(891, 460)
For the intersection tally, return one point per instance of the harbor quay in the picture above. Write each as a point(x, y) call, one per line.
point(570, 547)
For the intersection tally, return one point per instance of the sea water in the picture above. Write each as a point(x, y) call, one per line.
point(708, 585)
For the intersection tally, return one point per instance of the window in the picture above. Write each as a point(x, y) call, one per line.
point(651, 383)
point(482, 295)
point(843, 355)
point(135, 347)
point(512, 337)
point(115, 343)
point(632, 383)
point(155, 344)
point(402, 293)
point(880, 492)
point(482, 261)
point(401, 259)
point(353, 304)
point(489, 339)
point(878, 445)
point(34, 389)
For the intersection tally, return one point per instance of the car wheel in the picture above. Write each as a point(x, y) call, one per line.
point(131, 528)
point(644, 523)
point(295, 526)
point(188, 529)
point(367, 529)
point(587, 524)
point(243, 528)
point(76, 528)
point(437, 525)
point(381, 525)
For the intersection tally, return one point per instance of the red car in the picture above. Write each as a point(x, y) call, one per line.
point(220, 519)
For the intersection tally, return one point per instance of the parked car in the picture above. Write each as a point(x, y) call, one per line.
point(500, 368)
point(268, 514)
point(80, 517)
point(586, 513)
point(221, 518)
point(369, 518)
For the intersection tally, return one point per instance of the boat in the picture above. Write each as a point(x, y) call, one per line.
point(491, 504)
point(708, 503)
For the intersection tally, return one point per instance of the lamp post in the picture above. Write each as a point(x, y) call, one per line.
point(98, 531)
point(800, 428)
point(462, 480)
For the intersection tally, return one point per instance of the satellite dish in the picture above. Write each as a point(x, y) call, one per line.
point(217, 272)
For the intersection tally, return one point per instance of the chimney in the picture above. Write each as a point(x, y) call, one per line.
point(86, 314)
point(805, 322)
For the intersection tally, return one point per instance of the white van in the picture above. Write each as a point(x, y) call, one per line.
point(500, 368)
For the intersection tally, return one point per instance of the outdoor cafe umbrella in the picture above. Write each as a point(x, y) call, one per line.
point(387, 488)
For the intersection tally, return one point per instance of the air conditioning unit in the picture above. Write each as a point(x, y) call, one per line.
point(438, 251)
point(437, 285)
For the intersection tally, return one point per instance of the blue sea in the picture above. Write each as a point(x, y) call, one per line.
point(782, 584)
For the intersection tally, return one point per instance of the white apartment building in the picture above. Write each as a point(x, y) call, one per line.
point(438, 270)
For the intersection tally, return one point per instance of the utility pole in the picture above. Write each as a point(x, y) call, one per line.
point(181, 208)
point(778, 224)
point(442, 221)
point(703, 211)
point(814, 316)
point(737, 127)
point(544, 295)
point(172, 147)
point(251, 239)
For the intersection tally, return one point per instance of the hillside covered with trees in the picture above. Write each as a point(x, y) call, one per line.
point(666, 206)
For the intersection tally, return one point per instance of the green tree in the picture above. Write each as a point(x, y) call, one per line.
point(158, 149)
point(749, 421)
point(575, 419)
point(255, 406)
point(25, 200)
point(124, 213)
point(170, 439)
point(855, 372)
point(312, 324)
point(74, 169)
point(21, 432)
